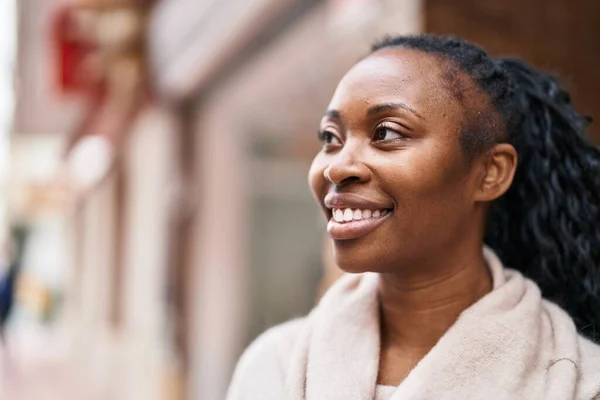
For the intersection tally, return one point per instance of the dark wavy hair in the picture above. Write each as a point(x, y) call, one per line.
point(547, 225)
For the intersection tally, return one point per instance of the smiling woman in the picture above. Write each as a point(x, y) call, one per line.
point(431, 151)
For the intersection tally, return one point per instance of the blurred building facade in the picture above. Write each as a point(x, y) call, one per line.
point(172, 141)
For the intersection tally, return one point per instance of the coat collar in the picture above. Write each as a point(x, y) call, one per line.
point(501, 347)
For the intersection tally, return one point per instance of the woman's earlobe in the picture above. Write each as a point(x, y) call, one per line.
point(500, 167)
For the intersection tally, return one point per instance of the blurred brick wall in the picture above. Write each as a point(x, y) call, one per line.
point(562, 36)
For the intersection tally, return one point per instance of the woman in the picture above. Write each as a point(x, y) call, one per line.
point(432, 148)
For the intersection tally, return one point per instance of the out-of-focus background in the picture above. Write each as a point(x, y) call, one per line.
point(154, 215)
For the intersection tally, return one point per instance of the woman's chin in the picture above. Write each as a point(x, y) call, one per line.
point(354, 260)
point(354, 269)
point(371, 254)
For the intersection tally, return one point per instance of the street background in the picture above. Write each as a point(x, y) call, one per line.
point(155, 214)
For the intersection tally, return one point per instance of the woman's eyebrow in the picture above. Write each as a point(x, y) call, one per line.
point(332, 113)
point(376, 109)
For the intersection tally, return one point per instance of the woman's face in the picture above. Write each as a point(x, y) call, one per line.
point(392, 177)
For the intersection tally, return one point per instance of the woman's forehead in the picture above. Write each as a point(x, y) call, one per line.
point(395, 75)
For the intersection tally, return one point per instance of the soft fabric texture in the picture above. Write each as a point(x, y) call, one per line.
point(511, 344)
point(384, 392)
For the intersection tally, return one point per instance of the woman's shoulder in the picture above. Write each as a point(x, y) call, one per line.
point(262, 368)
point(589, 369)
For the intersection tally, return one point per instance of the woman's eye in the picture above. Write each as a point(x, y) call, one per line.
point(384, 133)
point(328, 137)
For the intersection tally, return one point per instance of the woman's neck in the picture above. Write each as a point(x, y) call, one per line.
point(416, 311)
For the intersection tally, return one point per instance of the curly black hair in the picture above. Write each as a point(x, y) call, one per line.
point(547, 225)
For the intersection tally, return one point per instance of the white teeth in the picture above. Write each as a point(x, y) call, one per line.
point(348, 215)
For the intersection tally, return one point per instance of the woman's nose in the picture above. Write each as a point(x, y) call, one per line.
point(346, 167)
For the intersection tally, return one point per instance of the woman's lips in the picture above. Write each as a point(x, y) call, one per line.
point(352, 229)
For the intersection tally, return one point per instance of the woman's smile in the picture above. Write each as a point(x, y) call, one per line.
point(351, 224)
point(352, 216)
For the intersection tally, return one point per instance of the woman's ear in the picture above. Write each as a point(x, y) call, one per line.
point(500, 166)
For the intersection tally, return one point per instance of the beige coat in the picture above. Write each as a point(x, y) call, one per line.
point(511, 344)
